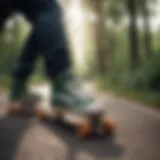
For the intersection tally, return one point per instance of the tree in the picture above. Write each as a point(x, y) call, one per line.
point(100, 35)
point(133, 33)
point(98, 9)
point(145, 13)
point(147, 31)
point(114, 14)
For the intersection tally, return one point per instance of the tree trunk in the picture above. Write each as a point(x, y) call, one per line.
point(111, 49)
point(100, 35)
point(133, 33)
point(147, 32)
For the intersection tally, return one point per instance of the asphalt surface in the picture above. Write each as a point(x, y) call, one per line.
point(137, 136)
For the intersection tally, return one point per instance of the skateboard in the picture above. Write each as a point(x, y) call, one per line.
point(85, 121)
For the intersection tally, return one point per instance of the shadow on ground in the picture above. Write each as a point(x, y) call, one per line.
point(11, 133)
point(98, 147)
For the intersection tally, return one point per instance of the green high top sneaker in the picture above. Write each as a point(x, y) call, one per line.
point(68, 94)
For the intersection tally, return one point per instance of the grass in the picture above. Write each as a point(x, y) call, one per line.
point(146, 97)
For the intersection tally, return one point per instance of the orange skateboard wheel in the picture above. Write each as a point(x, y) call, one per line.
point(109, 126)
point(84, 130)
point(41, 114)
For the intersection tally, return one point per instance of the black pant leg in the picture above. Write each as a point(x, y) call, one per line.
point(27, 59)
point(53, 43)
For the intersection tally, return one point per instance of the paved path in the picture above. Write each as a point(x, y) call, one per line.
point(137, 136)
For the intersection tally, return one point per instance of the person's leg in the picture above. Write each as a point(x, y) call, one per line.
point(23, 70)
point(57, 60)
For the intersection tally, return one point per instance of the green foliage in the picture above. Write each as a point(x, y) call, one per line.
point(11, 39)
point(144, 78)
point(147, 97)
point(147, 77)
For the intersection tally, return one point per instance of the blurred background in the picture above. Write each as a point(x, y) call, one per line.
point(114, 43)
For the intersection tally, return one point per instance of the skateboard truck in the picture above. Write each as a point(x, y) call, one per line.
point(96, 121)
point(95, 126)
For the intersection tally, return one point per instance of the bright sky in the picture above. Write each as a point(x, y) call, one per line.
point(155, 18)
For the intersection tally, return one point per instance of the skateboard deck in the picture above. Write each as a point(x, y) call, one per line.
point(85, 121)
